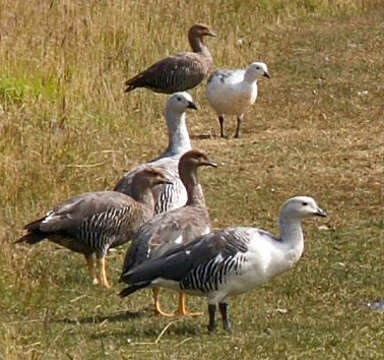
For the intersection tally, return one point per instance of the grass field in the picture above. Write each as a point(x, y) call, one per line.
point(317, 128)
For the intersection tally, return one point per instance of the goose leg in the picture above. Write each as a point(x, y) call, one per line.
point(212, 320)
point(91, 269)
point(223, 307)
point(221, 121)
point(102, 274)
point(239, 120)
point(182, 311)
point(158, 311)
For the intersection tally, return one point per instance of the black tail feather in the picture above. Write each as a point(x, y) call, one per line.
point(34, 225)
point(131, 289)
point(32, 238)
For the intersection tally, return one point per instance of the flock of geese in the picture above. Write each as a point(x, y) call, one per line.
point(159, 206)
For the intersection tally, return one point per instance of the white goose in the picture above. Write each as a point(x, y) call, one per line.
point(231, 92)
point(168, 197)
point(230, 261)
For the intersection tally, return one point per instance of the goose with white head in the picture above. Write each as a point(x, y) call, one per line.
point(168, 196)
point(232, 92)
point(230, 261)
point(168, 230)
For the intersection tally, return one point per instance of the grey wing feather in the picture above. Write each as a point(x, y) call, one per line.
point(174, 264)
point(227, 76)
point(72, 212)
point(162, 232)
point(178, 262)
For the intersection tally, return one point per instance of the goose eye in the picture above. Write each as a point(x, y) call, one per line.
point(178, 98)
point(304, 204)
point(257, 67)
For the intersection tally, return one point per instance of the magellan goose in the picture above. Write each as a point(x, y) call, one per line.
point(96, 221)
point(168, 196)
point(172, 228)
point(178, 72)
point(228, 262)
point(231, 92)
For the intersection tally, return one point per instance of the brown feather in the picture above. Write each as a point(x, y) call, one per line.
point(178, 72)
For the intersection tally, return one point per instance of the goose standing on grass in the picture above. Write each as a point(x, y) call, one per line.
point(175, 227)
point(96, 221)
point(231, 92)
point(178, 72)
point(168, 196)
point(228, 262)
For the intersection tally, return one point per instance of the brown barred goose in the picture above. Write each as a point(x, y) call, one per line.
point(168, 196)
point(178, 72)
point(93, 222)
point(172, 228)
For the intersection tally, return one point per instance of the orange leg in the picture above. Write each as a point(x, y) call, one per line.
point(158, 311)
point(182, 311)
point(91, 269)
point(102, 274)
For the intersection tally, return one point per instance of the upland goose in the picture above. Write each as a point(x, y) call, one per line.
point(172, 228)
point(93, 222)
point(231, 92)
point(178, 72)
point(228, 262)
point(168, 196)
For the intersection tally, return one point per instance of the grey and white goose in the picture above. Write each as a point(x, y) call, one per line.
point(168, 196)
point(178, 72)
point(231, 92)
point(228, 262)
point(179, 226)
point(93, 222)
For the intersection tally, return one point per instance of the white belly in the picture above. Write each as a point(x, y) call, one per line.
point(231, 99)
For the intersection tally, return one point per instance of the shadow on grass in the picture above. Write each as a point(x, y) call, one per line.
point(203, 137)
point(178, 327)
point(98, 319)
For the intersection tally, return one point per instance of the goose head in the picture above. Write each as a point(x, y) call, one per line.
point(199, 31)
point(194, 159)
point(179, 102)
point(151, 176)
point(300, 207)
point(257, 70)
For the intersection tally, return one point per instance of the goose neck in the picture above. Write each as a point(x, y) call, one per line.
point(291, 233)
point(188, 176)
point(178, 136)
point(198, 46)
point(250, 77)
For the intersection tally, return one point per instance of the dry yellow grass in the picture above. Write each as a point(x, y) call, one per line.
point(317, 128)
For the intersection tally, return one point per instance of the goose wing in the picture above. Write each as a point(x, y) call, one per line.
point(178, 72)
point(178, 262)
point(72, 212)
point(164, 232)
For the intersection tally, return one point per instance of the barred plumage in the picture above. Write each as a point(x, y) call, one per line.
point(228, 262)
point(178, 226)
point(213, 275)
point(110, 228)
point(168, 197)
point(178, 72)
point(94, 222)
